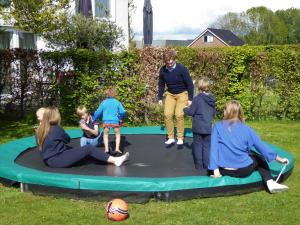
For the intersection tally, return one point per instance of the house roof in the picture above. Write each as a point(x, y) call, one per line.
point(165, 43)
point(178, 42)
point(226, 36)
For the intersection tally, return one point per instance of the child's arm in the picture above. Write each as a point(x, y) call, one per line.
point(122, 111)
point(214, 150)
point(93, 131)
point(192, 109)
point(62, 134)
point(261, 147)
point(98, 112)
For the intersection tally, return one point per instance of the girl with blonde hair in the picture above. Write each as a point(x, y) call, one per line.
point(52, 142)
point(231, 144)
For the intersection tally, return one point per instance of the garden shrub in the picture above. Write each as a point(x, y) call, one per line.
point(265, 79)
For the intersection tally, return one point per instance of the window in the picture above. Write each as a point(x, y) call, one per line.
point(5, 37)
point(208, 38)
point(27, 41)
point(102, 8)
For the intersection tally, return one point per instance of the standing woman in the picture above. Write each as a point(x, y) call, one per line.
point(178, 95)
point(52, 142)
point(231, 145)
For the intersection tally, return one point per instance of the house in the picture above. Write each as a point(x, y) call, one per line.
point(216, 38)
point(114, 10)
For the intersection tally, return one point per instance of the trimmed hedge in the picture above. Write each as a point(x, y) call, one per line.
point(264, 79)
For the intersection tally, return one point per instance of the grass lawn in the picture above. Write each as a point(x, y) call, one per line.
point(254, 208)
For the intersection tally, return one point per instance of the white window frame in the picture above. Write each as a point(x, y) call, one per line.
point(208, 38)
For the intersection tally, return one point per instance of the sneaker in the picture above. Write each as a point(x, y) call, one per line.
point(180, 142)
point(274, 187)
point(170, 141)
point(116, 153)
point(120, 160)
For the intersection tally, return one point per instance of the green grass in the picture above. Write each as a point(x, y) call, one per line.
point(254, 208)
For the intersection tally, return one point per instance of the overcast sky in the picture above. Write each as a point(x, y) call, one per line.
point(186, 19)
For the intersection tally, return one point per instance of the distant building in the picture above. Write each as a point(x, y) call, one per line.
point(165, 43)
point(216, 38)
point(117, 12)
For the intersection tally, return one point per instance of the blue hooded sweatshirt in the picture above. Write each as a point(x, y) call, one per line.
point(111, 111)
point(231, 144)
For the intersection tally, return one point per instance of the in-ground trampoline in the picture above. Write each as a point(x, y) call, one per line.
point(153, 171)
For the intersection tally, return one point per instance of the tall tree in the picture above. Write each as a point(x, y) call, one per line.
point(234, 22)
point(37, 16)
point(52, 20)
point(85, 32)
point(264, 27)
point(260, 25)
point(291, 19)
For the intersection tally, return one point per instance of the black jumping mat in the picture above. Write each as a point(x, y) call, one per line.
point(149, 157)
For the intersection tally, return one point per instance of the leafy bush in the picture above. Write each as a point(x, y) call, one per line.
point(264, 79)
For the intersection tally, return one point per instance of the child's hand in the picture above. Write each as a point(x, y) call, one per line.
point(216, 174)
point(84, 126)
point(285, 161)
point(282, 160)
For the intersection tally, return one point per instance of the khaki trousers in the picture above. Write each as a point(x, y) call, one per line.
point(174, 103)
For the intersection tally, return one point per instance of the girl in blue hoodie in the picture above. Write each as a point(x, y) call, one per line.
point(231, 145)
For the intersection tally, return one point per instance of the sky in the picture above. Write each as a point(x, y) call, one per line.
point(182, 20)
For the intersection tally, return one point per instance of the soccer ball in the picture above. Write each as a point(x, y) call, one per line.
point(117, 210)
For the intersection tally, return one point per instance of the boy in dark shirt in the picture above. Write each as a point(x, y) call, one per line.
point(202, 110)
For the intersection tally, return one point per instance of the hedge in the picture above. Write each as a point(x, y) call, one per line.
point(264, 79)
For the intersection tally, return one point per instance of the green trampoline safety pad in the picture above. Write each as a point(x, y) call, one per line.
point(10, 170)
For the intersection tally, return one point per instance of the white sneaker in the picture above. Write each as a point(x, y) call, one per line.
point(120, 160)
point(275, 187)
point(170, 141)
point(180, 142)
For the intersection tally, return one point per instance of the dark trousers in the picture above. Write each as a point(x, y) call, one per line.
point(258, 164)
point(201, 150)
point(74, 155)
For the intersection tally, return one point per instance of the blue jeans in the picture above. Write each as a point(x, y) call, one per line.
point(92, 141)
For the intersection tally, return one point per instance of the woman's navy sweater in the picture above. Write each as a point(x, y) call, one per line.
point(177, 80)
